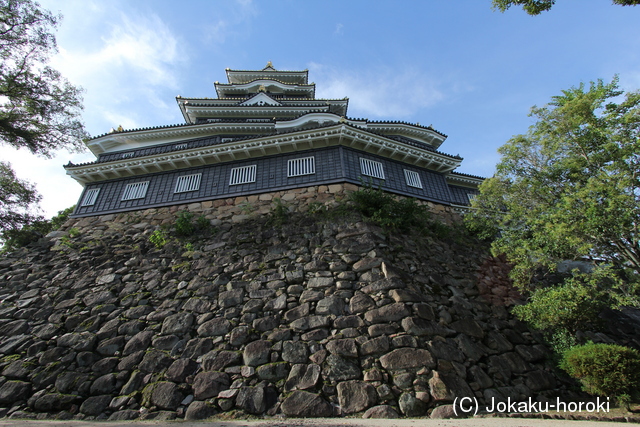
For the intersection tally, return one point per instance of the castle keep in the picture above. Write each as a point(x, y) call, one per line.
point(265, 132)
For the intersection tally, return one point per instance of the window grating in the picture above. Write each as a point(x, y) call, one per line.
point(90, 197)
point(471, 197)
point(136, 190)
point(371, 168)
point(188, 183)
point(180, 146)
point(128, 155)
point(243, 175)
point(303, 166)
point(413, 178)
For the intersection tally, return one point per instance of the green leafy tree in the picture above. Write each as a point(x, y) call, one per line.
point(536, 7)
point(39, 109)
point(16, 198)
point(569, 189)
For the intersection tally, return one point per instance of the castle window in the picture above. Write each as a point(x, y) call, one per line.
point(188, 183)
point(471, 197)
point(136, 190)
point(303, 166)
point(90, 197)
point(371, 168)
point(243, 175)
point(413, 178)
point(180, 146)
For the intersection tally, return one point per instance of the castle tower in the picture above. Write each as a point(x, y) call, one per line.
point(265, 131)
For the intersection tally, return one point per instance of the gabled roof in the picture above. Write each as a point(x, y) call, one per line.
point(269, 72)
point(260, 98)
point(266, 84)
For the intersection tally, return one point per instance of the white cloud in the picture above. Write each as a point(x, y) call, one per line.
point(137, 60)
point(338, 31)
point(57, 189)
point(390, 93)
point(125, 64)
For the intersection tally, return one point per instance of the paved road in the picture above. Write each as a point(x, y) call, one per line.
point(334, 422)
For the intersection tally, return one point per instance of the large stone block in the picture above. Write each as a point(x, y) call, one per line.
point(355, 396)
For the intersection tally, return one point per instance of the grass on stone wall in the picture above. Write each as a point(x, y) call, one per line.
point(183, 229)
point(391, 213)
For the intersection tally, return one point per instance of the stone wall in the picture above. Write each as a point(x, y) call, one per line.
point(310, 318)
point(238, 209)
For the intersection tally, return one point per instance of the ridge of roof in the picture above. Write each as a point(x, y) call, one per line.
point(263, 70)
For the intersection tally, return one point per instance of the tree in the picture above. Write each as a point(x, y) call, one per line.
point(569, 189)
point(39, 109)
point(16, 199)
point(536, 7)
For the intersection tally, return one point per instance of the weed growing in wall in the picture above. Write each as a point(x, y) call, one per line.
point(159, 238)
point(395, 214)
point(184, 227)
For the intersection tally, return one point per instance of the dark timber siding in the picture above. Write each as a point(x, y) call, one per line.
point(332, 165)
point(460, 194)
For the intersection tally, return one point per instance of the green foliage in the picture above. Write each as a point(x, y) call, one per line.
point(39, 109)
point(316, 208)
point(604, 369)
point(279, 212)
point(184, 225)
point(569, 189)
point(34, 230)
point(159, 238)
point(567, 307)
point(246, 208)
point(535, 7)
point(17, 200)
point(202, 223)
point(383, 209)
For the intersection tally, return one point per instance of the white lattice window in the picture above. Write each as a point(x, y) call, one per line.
point(303, 166)
point(371, 168)
point(413, 178)
point(188, 183)
point(136, 190)
point(471, 197)
point(90, 197)
point(180, 146)
point(128, 155)
point(243, 175)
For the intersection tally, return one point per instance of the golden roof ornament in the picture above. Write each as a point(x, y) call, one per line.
point(262, 88)
point(120, 129)
point(269, 64)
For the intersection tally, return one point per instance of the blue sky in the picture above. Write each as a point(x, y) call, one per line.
point(457, 65)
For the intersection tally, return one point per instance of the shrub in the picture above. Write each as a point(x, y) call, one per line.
point(564, 307)
point(202, 223)
point(279, 212)
point(30, 233)
point(383, 209)
point(183, 226)
point(604, 369)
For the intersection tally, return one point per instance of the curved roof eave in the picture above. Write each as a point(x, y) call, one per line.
point(333, 134)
